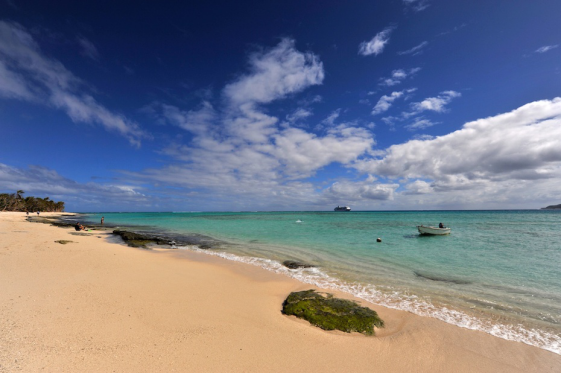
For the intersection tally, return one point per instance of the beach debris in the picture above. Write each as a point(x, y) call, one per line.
point(64, 241)
point(297, 264)
point(329, 313)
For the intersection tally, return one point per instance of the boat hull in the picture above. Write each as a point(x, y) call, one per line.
point(430, 230)
point(342, 209)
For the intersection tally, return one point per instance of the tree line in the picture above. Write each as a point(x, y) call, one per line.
point(15, 202)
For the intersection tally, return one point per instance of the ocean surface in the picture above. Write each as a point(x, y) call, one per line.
point(498, 271)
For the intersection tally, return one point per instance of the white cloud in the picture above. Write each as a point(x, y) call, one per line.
point(546, 48)
point(195, 121)
point(416, 5)
point(508, 160)
point(88, 49)
point(274, 74)
point(423, 137)
point(354, 192)
point(418, 187)
point(377, 44)
point(397, 76)
point(385, 102)
point(13, 86)
point(420, 123)
point(300, 113)
point(27, 74)
point(414, 50)
point(241, 149)
point(302, 153)
point(436, 104)
point(522, 145)
point(331, 119)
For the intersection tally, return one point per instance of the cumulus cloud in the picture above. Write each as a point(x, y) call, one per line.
point(240, 148)
point(27, 74)
point(414, 50)
point(385, 102)
point(508, 160)
point(436, 104)
point(397, 76)
point(376, 45)
point(352, 192)
point(546, 48)
point(418, 187)
point(274, 74)
point(522, 145)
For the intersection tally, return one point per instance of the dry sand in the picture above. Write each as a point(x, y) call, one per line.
point(96, 306)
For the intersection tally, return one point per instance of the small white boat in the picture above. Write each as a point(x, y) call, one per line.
point(431, 230)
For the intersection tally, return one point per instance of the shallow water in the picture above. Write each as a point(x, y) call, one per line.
point(498, 271)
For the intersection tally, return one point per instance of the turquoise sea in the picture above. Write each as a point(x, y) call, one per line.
point(498, 271)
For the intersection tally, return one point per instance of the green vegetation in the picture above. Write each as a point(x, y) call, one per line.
point(15, 202)
point(330, 313)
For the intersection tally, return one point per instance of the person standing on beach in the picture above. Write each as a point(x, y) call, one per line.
point(102, 221)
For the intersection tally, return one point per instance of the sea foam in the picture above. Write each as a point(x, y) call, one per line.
point(399, 301)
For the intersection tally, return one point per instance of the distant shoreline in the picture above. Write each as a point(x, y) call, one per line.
point(328, 211)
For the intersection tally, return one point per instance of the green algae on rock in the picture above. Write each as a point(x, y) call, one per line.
point(331, 313)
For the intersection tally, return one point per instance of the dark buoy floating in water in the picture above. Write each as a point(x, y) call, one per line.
point(379, 240)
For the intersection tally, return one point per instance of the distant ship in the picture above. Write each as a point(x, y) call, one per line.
point(342, 209)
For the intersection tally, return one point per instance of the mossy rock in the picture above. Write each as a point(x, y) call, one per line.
point(134, 239)
point(64, 241)
point(139, 243)
point(331, 313)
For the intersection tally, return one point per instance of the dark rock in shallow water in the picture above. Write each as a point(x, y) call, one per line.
point(330, 313)
point(296, 264)
point(135, 239)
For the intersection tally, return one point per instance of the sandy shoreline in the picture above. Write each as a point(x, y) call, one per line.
point(96, 306)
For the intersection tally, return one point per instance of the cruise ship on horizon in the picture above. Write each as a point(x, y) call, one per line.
point(342, 209)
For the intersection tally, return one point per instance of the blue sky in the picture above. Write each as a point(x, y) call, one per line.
point(281, 105)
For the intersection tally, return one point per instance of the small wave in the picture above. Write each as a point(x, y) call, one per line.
point(395, 300)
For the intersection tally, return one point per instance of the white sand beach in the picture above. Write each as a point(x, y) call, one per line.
point(96, 306)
